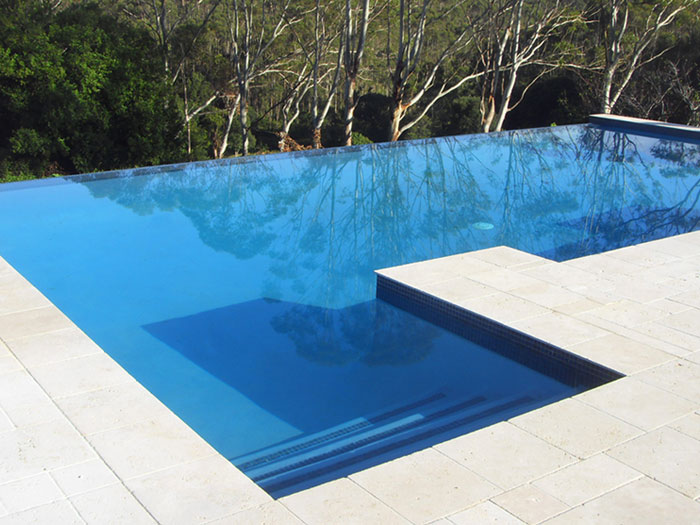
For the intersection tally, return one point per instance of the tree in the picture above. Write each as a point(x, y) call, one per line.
point(630, 30)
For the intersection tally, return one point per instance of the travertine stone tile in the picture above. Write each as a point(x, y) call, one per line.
point(693, 358)
point(143, 447)
point(642, 255)
point(568, 277)
point(530, 504)
point(5, 422)
point(621, 353)
point(633, 334)
point(32, 450)
point(559, 329)
point(673, 246)
point(690, 298)
point(112, 504)
point(547, 295)
point(642, 502)
point(83, 477)
point(680, 377)
point(8, 363)
point(82, 374)
point(687, 322)
point(689, 425)
point(637, 403)
point(55, 346)
point(577, 307)
point(485, 513)
point(32, 322)
point(669, 306)
point(273, 513)
point(197, 492)
point(587, 479)
point(57, 512)
point(660, 330)
point(340, 501)
point(602, 264)
point(26, 493)
point(424, 486)
point(436, 270)
point(666, 455)
point(505, 455)
point(575, 427)
point(634, 289)
point(111, 407)
point(508, 257)
point(19, 296)
point(25, 402)
point(458, 289)
point(504, 279)
point(503, 307)
point(628, 313)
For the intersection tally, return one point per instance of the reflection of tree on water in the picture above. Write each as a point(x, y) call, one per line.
point(372, 333)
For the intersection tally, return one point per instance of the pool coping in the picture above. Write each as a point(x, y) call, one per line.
point(82, 441)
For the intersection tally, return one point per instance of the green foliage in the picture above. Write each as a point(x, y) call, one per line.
point(80, 92)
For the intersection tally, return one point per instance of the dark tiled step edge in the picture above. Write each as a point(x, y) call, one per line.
point(341, 432)
point(273, 487)
point(525, 349)
point(368, 440)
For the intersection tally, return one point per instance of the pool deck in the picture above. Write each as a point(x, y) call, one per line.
point(81, 441)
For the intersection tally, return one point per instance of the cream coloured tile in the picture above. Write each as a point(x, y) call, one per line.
point(679, 377)
point(340, 501)
point(669, 456)
point(642, 502)
point(112, 504)
point(111, 407)
point(508, 257)
point(25, 402)
point(83, 477)
point(642, 255)
point(674, 246)
point(485, 513)
point(559, 329)
point(54, 346)
point(80, 374)
point(576, 427)
point(628, 313)
point(602, 264)
point(547, 295)
point(637, 290)
point(458, 289)
point(690, 298)
point(198, 491)
point(424, 486)
point(587, 479)
point(621, 353)
point(504, 279)
point(8, 363)
point(659, 330)
point(694, 357)
point(637, 403)
point(687, 322)
point(26, 493)
point(32, 450)
point(273, 513)
point(19, 296)
point(53, 513)
point(505, 455)
point(32, 322)
point(530, 504)
point(669, 306)
point(150, 445)
point(577, 307)
point(436, 270)
point(503, 307)
point(689, 425)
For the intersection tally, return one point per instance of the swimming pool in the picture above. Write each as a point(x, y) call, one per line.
point(241, 292)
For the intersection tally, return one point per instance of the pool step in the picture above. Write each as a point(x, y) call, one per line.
point(378, 439)
point(298, 445)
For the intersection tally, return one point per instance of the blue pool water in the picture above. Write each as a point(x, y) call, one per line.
point(241, 293)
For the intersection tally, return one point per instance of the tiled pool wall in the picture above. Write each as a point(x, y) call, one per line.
point(546, 358)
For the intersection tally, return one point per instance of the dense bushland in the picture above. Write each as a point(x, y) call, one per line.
point(106, 85)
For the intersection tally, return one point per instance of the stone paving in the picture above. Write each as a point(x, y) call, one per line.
point(82, 442)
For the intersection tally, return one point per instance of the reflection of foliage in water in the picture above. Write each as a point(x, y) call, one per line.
point(325, 220)
point(373, 333)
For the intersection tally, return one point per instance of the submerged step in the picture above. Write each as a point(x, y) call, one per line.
point(381, 440)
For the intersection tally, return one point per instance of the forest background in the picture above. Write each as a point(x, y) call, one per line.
point(106, 85)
